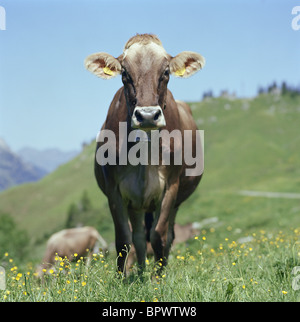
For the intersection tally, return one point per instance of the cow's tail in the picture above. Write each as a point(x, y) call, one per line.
point(148, 224)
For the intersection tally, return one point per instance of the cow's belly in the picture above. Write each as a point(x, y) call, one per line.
point(142, 187)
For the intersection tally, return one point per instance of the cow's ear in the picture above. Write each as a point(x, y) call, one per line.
point(186, 64)
point(103, 65)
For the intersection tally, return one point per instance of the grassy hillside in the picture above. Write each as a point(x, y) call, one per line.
point(247, 246)
point(250, 144)
point(42, 206)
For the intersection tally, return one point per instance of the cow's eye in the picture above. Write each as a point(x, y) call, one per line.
point(124, 74)
point(126, 77)
point(165, 74)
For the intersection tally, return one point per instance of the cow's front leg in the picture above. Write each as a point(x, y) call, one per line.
point(122, 231)
point(138, 237)
point(162, 233)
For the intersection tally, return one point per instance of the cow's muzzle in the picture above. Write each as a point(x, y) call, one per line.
point(148, 117)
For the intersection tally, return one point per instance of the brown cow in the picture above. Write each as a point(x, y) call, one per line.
point(137, 191)
point(83, 241)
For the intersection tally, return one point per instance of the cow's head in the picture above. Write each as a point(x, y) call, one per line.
point(145, 67)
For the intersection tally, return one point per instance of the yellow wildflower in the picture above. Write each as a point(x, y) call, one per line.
point(19, 275)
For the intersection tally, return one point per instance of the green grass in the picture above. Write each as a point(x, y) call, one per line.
point(259, 270)
point(250, 144)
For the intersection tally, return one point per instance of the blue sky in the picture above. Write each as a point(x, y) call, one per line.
point(48, 99)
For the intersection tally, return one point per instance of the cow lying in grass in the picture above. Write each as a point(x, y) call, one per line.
point(72, 244)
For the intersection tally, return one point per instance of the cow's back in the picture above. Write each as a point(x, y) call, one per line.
point(188, 184)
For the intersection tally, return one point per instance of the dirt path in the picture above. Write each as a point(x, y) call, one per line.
point(269, 194)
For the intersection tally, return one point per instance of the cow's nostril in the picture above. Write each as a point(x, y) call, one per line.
point(156, 116)
point(138, 116)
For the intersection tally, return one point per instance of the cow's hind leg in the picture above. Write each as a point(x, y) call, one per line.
point(148, 224)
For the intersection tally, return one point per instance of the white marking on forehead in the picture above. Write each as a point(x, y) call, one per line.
point(138, 47)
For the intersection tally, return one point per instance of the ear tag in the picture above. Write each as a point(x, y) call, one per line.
point(108, 71)
point(180, 72)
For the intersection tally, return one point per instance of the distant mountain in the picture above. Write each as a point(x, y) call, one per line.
point(48, 159)
point(14, 170)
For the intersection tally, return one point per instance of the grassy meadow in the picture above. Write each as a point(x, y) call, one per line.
point(256, 270)
point(246, 248)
